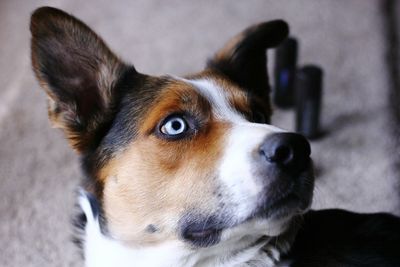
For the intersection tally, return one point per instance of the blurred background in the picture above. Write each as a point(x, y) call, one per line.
point(355, 42)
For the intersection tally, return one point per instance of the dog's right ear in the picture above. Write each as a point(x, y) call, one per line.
point(78, 72)
point(243, 58)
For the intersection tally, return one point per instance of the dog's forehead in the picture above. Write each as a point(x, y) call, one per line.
point(221, 99)
point(227, 101)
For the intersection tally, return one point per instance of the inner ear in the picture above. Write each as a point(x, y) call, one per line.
point(243, 58)
point(78, 72)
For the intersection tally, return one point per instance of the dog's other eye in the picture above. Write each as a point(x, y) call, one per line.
point(174, 126)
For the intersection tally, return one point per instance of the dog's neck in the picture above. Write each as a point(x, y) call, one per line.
point(103, 251)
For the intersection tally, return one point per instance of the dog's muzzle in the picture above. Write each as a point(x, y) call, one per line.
point(282, 169)
point(285, 167)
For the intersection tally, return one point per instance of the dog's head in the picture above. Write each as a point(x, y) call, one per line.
point(183, 159)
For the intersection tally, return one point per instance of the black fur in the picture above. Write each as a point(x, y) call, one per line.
point(333, 238)
point(245, 63)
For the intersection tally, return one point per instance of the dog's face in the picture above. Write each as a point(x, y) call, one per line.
point(189, 160)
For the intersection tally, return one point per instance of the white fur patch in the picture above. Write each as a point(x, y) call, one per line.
point(236, 170)
point(218, 99)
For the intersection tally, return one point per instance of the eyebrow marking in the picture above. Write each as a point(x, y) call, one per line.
point(218, 99)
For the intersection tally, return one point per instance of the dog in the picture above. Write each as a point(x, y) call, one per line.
point(178, 171)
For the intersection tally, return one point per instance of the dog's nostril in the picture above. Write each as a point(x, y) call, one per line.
point(282, 154)
point(288, 150)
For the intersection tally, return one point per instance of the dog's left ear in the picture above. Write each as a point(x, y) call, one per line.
point(243, 58)
point(79, 74)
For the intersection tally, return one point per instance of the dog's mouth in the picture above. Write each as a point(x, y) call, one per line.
point(202, 235)
point(208, 232)
point(203, 231)
point(294, 197)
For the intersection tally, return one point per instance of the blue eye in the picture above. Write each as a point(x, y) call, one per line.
point(174, 126)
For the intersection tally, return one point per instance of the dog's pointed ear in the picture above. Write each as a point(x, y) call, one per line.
point(78, 72)
point(243, 58)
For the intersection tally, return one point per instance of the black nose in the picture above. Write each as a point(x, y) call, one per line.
point(288, 150)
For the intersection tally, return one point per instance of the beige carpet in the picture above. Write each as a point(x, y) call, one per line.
point(38, 172)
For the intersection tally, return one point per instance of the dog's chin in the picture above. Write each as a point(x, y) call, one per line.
point(283, 207)
point(264, 222)
point(273, 219)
